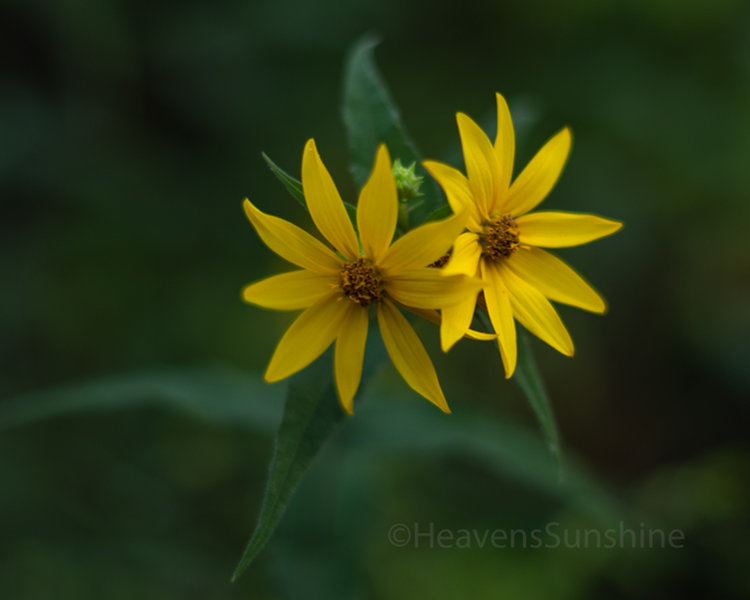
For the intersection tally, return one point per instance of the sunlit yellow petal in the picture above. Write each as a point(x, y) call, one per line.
point(326, 208)
point(499, 308)
point(434, 316)
point(456, 321)
point(307, 338)
point(539, 176)
point(505, 145)
point(535, 312)
point(290, 291)
point(292, 243)
point(377, 210)
point(408, 354)
point(457, 191)
point(464, 259)
point(562, 229)
point(481, 163)
point(555, 279)
point(429, 288)
point(349, 354)
point(423, 245)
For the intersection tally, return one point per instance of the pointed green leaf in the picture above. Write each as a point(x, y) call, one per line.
point(371, 118)
point(530, 381)
point(311, 414)
point(294, 187)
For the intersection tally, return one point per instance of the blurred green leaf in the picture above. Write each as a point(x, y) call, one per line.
point(371, 118)
point(390, 424)
point(530, 381)
point(215, 393)
point(294, 187)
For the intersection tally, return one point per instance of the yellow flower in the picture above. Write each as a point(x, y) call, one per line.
point(336, 290)
point(503, 245)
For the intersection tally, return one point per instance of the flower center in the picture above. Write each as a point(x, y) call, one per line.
point(361, 283)
point(500, 238)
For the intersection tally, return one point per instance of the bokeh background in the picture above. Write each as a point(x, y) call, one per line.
point(130, 132)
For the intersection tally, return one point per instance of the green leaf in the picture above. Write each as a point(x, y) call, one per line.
point(294, 187)
point(441, 213)
point(530, 381)
point(213, 393)
point(390, 423)
point(371, 118)
point(311, 414)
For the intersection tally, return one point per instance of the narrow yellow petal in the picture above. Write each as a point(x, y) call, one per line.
point(292, 243)
point(377, 209)
point(555, 279)
point(308, 337)
point(408, 354)
point(349, 354)
point(539, 176)
point(456, 321)
point(501, 314)
point(464, 259)
point(536, 313)
point(326, 208)
point(562, 229)
point(457, 191)
point(429, 288)
point(505, 145)
point(290, 291)
point(482, 167)
point(423, 245)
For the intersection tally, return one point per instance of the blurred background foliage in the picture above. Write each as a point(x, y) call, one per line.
point(130, 132)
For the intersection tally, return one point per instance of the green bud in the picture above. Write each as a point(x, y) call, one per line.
point(407, 183)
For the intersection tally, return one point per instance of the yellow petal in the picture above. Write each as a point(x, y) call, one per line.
point(539, 176)
point(464, 259)
point(481, 164)
point(456, 321)
point(429, 288)
point(501, 314)
point(535, 312)
point(290, 291)
point(308, 337)
point(423, 245)
point(555, 279)
point(292, 243)
point(377, 210)
point(562, 229)
point(434, 316)
point(457, 191)
point(408, 354)
point(350, 353)
point(505, 144)
point(326, 208)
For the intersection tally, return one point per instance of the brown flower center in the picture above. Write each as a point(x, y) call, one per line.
point(361, 282)
point(500, 238)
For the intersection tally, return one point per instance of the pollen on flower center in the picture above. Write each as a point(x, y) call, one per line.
point(361, 282)
point(500, 238)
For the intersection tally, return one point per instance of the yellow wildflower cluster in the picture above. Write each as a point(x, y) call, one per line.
point(496, 262)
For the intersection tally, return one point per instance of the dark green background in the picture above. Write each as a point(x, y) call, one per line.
point(130, 132)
